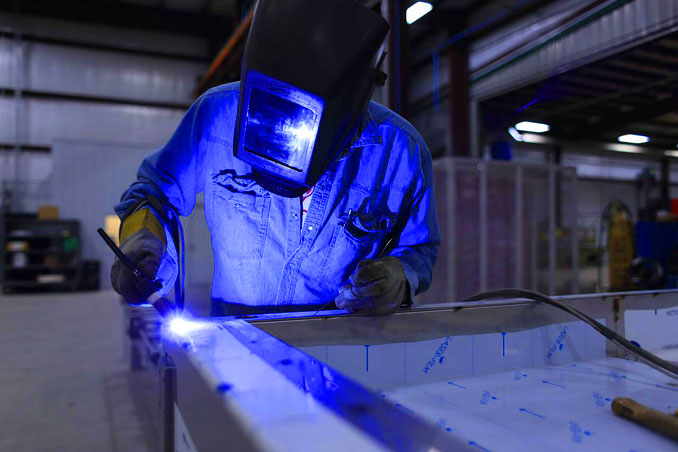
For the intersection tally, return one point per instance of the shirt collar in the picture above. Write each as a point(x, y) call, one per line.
point(369, 133)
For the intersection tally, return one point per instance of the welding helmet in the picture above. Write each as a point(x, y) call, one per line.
point(308, 72)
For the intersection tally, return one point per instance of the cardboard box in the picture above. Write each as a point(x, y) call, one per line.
point(47, 212)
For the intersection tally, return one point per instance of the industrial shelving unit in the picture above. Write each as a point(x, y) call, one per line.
point(38, 254)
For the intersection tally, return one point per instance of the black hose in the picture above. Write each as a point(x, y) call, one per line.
point(648, 358)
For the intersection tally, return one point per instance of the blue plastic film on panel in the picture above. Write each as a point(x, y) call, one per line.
point(395, 426)
point(279, 129)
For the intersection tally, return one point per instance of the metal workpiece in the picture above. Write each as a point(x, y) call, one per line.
point(431, 321)
point(494, 375)
point(237, 385)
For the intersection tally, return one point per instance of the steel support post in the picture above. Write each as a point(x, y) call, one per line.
point(460, 106)
point(168, 393)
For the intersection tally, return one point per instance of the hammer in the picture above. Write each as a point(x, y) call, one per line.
point(663, 423)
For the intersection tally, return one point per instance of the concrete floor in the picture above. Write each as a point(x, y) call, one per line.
point(64, 378)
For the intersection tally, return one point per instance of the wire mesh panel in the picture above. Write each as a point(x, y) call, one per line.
point(466, 219)
point(567, 259)
point(503, 225)
point(443, 279)
point(535, 229)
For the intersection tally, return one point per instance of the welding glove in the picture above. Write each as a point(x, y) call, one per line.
point(142, 239)
point(378, 287)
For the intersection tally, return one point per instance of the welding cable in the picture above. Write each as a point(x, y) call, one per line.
point(648, 358)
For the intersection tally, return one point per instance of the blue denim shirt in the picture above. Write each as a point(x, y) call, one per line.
point(378, 196)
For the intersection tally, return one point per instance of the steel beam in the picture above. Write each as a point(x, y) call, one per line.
point(460, 107)
point(128, 15)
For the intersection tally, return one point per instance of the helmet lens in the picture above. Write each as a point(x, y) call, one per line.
point(279, 129)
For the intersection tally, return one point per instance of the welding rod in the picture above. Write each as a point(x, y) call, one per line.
point(656, 420)
point(144, 284)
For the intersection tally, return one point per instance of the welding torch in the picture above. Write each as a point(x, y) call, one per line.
point(148, 288)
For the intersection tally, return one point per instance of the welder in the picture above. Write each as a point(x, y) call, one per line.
point(312, 193)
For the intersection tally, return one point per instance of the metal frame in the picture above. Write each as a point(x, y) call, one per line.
point(482, 194)
point(216, 413)
point(453, 319)
point(552, 229)
point(519, 227)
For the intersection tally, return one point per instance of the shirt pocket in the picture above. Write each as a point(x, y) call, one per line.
point(355, 237)
point(240, 210)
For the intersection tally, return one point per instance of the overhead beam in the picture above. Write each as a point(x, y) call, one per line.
point(120, 48)
point(460, 107)
point(206, 5)
point(397, 65)
point(127, 15)
point(621, 119)
point(227, 56)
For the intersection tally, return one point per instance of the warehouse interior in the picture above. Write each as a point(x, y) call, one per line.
point(552, 127)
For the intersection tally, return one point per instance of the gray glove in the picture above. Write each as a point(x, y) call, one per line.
point(378, 287)
point(145, 250)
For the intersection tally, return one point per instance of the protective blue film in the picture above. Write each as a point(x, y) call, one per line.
point(279, 129)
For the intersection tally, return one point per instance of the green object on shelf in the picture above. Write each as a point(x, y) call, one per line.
point(70, 244)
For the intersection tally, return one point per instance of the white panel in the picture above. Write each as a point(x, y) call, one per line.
point(49, 120)
point(7, 119)
point(70, 70)
point(7, 62)
point(607, 167)
point(87, 181)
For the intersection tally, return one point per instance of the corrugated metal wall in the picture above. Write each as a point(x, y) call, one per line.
point(72, 92)
point(624, 25)
point(628, 24)
point(93, 113)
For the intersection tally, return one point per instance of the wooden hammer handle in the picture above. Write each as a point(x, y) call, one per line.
point(656, 420)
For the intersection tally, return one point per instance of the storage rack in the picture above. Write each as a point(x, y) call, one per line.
point(39, 255)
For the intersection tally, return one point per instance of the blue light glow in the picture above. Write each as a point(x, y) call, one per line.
point(181, 326)
point(279, 129)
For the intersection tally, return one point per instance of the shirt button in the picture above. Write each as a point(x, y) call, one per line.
point(310, 228)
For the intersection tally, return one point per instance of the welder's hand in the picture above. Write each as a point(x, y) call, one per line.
point(145, 250)
point(378, 287)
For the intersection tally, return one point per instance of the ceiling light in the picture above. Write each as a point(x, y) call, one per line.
point(671, 153)
point(534, 138)
point(417, 11)
point(624, 148)
point(515, 134)
point(632, 138)
point(535, 127)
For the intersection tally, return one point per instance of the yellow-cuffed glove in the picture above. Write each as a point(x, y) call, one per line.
point(142, 239)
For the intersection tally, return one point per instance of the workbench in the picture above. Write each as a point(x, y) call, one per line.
point(494, 376)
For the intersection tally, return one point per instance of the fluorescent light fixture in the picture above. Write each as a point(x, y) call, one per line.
point(633, 139)
point(629, 149)
point(515, 134)
point(671, 153)
point(417, 11)
point(534, 138)
point(534, 127)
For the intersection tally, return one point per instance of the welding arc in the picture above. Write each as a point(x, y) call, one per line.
point(648, 358)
